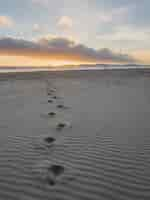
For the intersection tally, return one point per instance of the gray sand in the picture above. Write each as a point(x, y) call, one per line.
point(101, 149)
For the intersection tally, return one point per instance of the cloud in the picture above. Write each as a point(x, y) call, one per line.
point(65, 22)
point(36, 28)
point(114, 14)
point(6, 21)
point(126, 38)
point(126, 33)
point(60, 49)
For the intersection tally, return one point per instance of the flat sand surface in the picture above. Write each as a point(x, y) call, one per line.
point(82, 135)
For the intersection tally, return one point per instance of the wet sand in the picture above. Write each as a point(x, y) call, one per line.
point(82, 135)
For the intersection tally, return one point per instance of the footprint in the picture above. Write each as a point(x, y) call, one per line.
point(61, 174)
point(50, 181)
point(49, 140)
point(57, 170)
point(51, 91)
point(61, 106)
point(52, 114)
point(63, 125)
point(55, 97)
point(44, 143)
point(50, 101)
point(48, 172)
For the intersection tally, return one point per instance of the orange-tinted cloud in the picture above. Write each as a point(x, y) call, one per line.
point(143, 55)
point(60, 49)
point(6, 21)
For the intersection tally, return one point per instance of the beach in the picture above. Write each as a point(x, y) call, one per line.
point(81, 135)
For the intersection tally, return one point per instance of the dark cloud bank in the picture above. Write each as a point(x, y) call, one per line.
point(61, 49)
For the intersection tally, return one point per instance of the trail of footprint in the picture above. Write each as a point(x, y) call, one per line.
point(45, 170)
point(61, 125)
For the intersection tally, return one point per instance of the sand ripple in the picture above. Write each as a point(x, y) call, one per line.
point(97, 170)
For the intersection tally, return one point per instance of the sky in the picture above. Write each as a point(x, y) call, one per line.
point(60, 32)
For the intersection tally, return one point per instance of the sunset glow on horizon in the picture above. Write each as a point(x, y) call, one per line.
point(74, 32)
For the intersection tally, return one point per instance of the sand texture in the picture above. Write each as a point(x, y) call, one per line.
point(81, 135)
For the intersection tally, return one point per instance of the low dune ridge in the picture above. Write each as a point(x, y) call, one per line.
point(101, 150)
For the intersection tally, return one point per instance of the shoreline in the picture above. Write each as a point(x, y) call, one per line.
point(43, 69)
point(74, 73)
